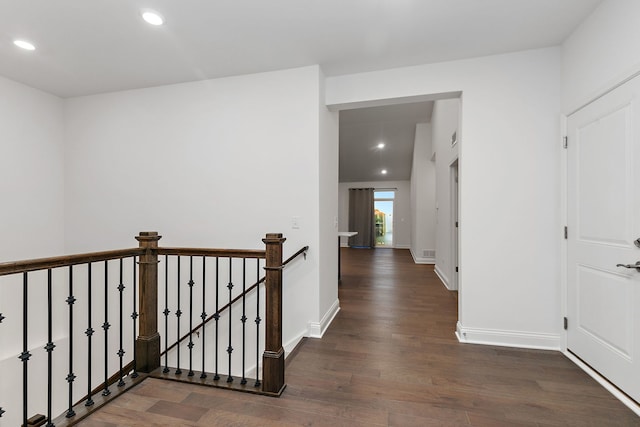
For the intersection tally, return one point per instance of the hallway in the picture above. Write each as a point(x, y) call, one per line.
point(390, 358)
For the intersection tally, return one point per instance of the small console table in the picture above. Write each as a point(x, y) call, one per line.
point(346, 234)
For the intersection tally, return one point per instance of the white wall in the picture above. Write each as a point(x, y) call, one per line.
point(31, 173)
point(423, 196)
point(215, 163)
point(402, 214)
point(31, 226)
point(602, 51)
point(509, 175)
point(444, 122)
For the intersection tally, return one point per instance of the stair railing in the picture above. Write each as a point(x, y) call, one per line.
point(101, 290)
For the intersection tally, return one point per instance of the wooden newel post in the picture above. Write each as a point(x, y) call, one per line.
point(148, 340)
point(273, 357)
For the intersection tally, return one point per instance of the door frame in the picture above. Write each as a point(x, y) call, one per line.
point(393, 220)
point(454, 196)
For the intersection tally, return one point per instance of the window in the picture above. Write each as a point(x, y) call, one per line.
point(383, 213)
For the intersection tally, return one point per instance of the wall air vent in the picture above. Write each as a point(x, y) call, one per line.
point(429, 253)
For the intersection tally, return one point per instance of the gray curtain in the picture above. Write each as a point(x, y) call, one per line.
point(361, 217)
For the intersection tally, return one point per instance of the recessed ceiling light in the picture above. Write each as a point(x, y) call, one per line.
point(24, 44)
point(381, 145)
point(383, 171)
point(153, 18)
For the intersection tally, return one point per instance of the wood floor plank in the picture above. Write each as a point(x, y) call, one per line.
point(182, 410)
point(132, 418)
point(390, 358)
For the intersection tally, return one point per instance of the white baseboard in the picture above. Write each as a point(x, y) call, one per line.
point(293, 342)
point(502, 338)
point(422, 260)
point(402, 247)
point(443, 278)
point(626, 400)
point(344, 245)
point(317, 330)
point(288, 348)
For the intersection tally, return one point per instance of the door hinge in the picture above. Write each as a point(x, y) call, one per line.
point(566, 232)
point(456, 224)
point(565, 142)
point(456, 269)
point(566, 323)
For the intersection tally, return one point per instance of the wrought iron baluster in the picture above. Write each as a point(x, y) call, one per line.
point(243, 319)
point(166, 313)
point(121, 326)
point(134, 317)
point(178, 314)
point(105, 326)
point(25, 355)
point(230, 287)
point(190, 345)
point(203, 316)
point(216, 317)
point(49, 348)
point(258, 320)
point(70, 376)
point(89, 333)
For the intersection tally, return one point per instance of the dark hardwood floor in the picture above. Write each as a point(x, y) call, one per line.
point(390, 358)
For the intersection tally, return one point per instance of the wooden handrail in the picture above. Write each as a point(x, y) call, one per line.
point(14, 267)
point(297, 254)
point(224, 253)
point(233, 301)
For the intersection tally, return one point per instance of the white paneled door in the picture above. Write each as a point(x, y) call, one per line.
point(603, 223)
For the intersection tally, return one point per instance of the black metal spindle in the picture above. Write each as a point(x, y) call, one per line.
point(70, 376)
point(166, 313)
point(134, 317)
point(258, 320)
point(178, 314)
point(49, 348)
point(230, 287)
point(244, 319)
point(190, 345)
point(89, 333)
point(216, 317)
point(121, 326)
point(25, 355)
point(105, 326)
point(203, 316)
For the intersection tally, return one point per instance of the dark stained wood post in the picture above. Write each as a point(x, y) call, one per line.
point(273, 357)
point(148, 340)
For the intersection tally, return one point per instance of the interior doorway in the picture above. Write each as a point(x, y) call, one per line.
point(383, 208)
point(385, 144)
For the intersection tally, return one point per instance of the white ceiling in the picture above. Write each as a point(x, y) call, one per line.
point(93, 46)
point(362, 129)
